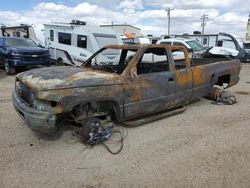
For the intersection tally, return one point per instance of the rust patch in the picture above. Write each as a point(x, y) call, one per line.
point(183, 77)
point(58, 108)
point(137, 94)
point(199, 75)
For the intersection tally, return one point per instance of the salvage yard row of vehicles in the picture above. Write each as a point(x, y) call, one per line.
point(108, 83)
point(120, 89)
point(73, 43)
point(68, 43)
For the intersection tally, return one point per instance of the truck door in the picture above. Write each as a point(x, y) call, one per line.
point(184, 79)
point(153, 89)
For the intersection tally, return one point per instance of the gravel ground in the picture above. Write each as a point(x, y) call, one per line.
point(206, 146)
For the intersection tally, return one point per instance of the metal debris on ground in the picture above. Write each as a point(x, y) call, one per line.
point(222, 97)
point(97, 132)
point(99, 135)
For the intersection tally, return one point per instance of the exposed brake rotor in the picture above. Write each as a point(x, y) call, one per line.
point(96, 131)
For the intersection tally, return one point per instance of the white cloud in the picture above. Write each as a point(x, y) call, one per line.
point(226, 15)
point(192, 4)
point(131, 4)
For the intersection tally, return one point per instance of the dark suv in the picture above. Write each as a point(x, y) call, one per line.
point(21, 53)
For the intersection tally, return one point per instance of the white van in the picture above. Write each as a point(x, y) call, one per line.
point(75, 42)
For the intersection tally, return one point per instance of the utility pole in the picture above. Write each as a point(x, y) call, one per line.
point(168, 12)
point(248, 28)
point(204, 17)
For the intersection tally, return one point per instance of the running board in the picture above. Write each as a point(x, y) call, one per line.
point(148, 119)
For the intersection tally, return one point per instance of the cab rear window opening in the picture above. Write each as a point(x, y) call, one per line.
point(66, 38)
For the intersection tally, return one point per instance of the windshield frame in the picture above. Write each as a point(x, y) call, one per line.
point(135, 49)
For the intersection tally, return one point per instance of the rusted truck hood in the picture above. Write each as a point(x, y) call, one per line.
point(66, 77)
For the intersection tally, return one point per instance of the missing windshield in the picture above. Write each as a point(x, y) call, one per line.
point(111, 63)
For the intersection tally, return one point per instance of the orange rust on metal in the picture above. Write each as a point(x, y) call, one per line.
point(57, 93)
point(216, 92)
point(137, 93)
point(199, 75)
point(182, 78)
point(58, 108)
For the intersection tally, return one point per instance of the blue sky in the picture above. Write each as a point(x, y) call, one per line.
point(149, 15)
point(17, 5)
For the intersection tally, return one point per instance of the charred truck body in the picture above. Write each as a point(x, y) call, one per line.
point(141, 80)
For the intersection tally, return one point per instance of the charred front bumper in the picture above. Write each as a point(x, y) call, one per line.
point(36, 120)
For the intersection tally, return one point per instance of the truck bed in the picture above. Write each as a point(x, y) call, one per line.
point(203, 61)
point(198, 61)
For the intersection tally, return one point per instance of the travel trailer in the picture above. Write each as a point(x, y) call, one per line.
point(222, 42)
point(34, 32)
point(73, 43)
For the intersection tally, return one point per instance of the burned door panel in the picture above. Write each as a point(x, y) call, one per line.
point(184, 80)
point(183, 89)
point(201, 82)
point(153, 92)
point(153, 89)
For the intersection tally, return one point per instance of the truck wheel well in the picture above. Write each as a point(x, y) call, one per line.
point(111, 106)
point(223, 79)
point(95, 107)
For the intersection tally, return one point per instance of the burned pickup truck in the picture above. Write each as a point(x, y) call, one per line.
point(137, 81)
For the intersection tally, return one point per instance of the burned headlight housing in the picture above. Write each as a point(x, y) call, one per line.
point(46, 106)
point(29, 98)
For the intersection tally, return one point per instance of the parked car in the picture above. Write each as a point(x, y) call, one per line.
point(195, 48)
point(21, 53)
point(116, 89)
point(247, 52)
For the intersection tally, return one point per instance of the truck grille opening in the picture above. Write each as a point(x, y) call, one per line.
point(24, 92)
point(31, 56)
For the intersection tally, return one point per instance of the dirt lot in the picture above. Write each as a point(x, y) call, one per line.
point(206, 146)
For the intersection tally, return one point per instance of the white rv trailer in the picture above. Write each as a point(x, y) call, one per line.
point(34, 32)
point(75, 42)
point(218, 41)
